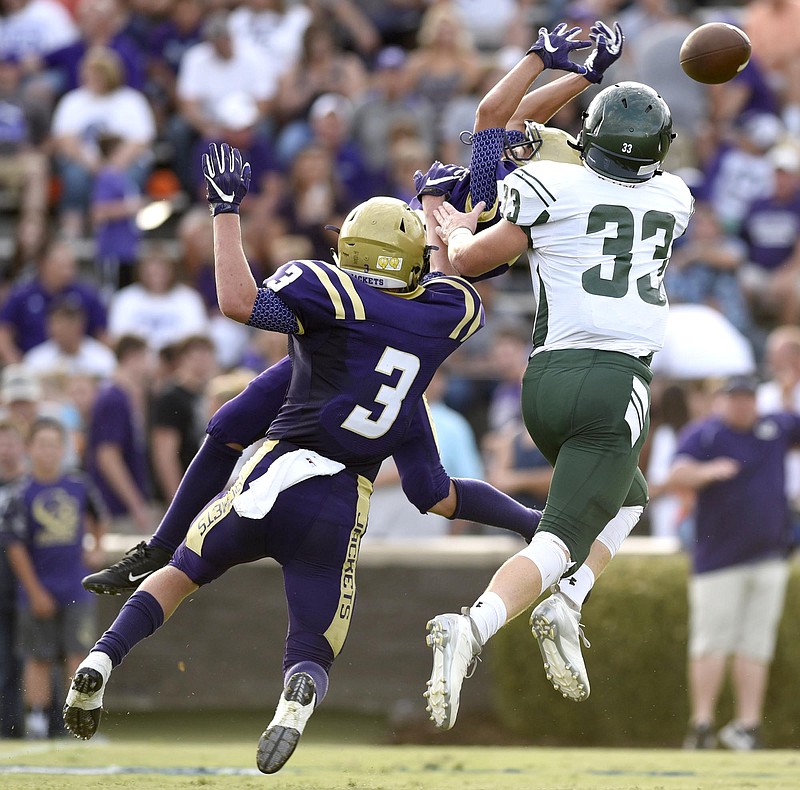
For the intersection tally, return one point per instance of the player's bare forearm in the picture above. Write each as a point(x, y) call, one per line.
point(438, 251)
point(541, 104)
point(236, 288)
point(500, 103)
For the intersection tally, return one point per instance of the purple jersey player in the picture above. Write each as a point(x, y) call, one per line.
point(498, 143)
point(366, 337)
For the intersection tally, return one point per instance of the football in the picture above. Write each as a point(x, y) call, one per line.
point(715, 53)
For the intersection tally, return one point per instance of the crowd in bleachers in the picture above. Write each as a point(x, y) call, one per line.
point(105, 240)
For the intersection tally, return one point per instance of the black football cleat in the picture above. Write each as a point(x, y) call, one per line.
point(126, 575)
point(84, 705)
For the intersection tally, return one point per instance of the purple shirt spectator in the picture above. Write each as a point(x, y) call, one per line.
point(113, 422)
point(771, 229)
point(25, 311)
point(67, 61)
point(116, 239)
point(50, 519)
point(745, 518)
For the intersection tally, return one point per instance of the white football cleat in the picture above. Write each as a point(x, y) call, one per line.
point(84, 705)
point(556, 624)
point(455, 656)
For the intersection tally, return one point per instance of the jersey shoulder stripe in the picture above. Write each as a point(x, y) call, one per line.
point(536, 186)
point(328, 276)
point(472, 319)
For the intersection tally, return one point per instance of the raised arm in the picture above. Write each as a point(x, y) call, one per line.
point(227, 181)
point(550, 51)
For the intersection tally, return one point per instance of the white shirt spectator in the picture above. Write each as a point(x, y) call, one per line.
point(93, 358)
point(37, 28)
point(279, 34)
point(160, 318)
point(205, 77)
point(123, 112)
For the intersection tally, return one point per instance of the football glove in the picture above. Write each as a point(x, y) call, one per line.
point(607, 50)
point(439, 180)
point(553, 47)
point(227, 179)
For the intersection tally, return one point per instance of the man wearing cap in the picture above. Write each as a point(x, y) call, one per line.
point(734, 462)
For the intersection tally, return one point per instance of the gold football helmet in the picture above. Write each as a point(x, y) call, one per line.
point(544, 142)
point(382, 244)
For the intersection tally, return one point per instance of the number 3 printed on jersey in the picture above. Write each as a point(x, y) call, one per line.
point(391, 398)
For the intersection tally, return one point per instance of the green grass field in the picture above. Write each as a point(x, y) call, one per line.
point(343, 755)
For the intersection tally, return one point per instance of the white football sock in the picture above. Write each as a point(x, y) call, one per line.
point(489, 615)
point(577, 586)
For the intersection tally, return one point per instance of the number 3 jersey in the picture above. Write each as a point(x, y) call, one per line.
point(598, 250)
point(363, 358)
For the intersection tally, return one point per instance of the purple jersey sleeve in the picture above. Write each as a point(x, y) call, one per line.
point(487, 151)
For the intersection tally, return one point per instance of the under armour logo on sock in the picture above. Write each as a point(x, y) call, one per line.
point(572, 581)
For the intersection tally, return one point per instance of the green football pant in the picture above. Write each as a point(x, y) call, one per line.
point(589, 413)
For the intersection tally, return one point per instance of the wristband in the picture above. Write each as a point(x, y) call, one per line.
point(458, 232)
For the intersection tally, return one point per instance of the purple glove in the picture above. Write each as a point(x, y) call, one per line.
point(553, 47)
point(607, 50)
point(227, 179)
point(439, 180)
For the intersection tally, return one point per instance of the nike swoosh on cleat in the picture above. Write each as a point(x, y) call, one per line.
point(223, 195)
point(138, 576)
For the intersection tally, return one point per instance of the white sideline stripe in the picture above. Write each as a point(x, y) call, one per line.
point(112, 770)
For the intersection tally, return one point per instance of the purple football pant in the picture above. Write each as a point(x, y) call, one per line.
point(314, 531)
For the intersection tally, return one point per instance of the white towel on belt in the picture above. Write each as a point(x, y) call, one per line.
point(284, 472)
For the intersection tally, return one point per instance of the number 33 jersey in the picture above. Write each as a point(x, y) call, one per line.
point(364, 357)
point(598, 250)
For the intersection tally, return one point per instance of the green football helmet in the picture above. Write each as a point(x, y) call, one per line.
point(382, 243)
point(627, 131)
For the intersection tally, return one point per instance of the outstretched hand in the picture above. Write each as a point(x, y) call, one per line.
point(227, 179)
point(554, 46)
point(607, 50)
point(450, 219)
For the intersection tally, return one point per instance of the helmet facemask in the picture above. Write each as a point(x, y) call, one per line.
point(528, 147)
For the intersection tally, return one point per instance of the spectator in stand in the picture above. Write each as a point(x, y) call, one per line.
point(69, 350)
point(169, 41)
point(115, 200)
point(102, 24)
point(210, 72)
point(510, 352)
point(23, 317)
point(670, 413)
point(44, 518)
point(705, 268)
point(738, 172)
point(242, 118)
point(396, 21)
point(766, 23)
point(390, 104)
point(102, 106)
point(116, 452)
point(314, 198)
point(275, 27)
point(23, 164)
point(20, 396)
point(517, 467)
point(407, 154)
point(734, 461)
point(12, 467)
point(497, 24)
point(35, 28)
point(324, 69)
point(178, 414)
point(771, 230)
point(445, 62)
point(781, 392)
point(157, 307)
